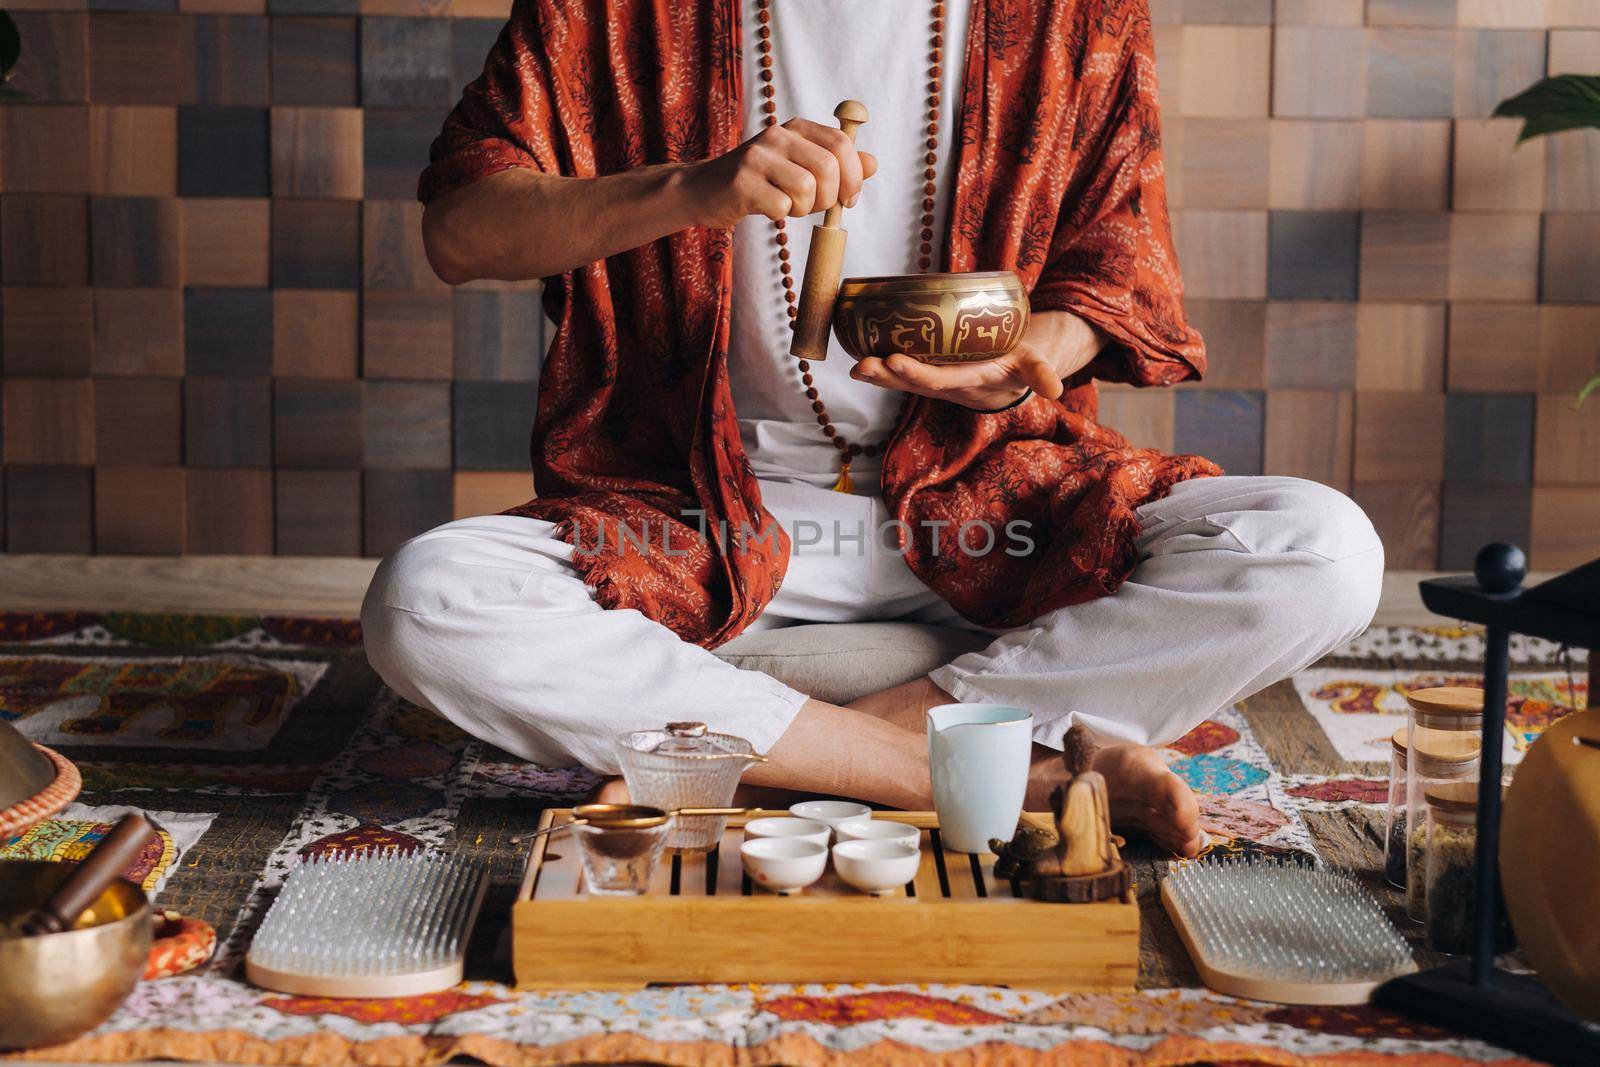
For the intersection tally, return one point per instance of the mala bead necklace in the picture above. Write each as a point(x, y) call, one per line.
point(849, 450)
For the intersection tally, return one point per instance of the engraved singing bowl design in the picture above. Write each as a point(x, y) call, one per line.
point(935, 318)
point(55, 986)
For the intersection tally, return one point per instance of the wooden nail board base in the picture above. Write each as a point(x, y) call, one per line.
point(704, 922)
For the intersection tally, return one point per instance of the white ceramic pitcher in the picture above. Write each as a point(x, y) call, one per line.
point(979, 756)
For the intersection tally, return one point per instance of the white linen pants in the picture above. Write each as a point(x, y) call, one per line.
point(1240, 582)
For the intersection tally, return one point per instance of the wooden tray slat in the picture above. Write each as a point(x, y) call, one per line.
point(730, 869)
point(927, 881)
point(692, 872)
point(983, 876)
point(958, 874)
point(530, 874)
point(560, 875)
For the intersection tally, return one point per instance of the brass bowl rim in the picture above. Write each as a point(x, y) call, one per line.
point(957, 280)
point(141, 906)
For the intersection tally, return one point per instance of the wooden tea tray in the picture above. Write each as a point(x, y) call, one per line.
point(704, 922)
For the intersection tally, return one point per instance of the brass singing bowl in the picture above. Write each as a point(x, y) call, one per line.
point(54, 987)
point(935, 318)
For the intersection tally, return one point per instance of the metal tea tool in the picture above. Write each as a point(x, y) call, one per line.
point(628, 816)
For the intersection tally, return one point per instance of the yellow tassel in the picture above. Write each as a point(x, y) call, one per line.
point(844, 484)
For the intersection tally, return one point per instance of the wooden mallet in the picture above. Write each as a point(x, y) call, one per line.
point(820, 287)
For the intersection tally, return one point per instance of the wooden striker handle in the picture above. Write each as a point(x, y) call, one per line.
point(820, 287)
point(90, 878)
point(851, 114)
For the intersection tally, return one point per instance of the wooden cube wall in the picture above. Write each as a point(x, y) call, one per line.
point(1397, 299)
point(219, 333)
point(218, 330)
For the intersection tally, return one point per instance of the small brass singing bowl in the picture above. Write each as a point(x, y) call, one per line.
point(935, 318)
point(54, 987)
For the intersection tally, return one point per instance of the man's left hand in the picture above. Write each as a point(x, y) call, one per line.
point(1057, 345)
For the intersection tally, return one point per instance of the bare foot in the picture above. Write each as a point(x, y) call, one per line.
point(1145, 795)
point(609, 791)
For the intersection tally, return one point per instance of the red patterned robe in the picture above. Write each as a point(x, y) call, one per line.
point(1060, 179)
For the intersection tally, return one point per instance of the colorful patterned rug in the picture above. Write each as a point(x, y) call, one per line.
point(252, 742)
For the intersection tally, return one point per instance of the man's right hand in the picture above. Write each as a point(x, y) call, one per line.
point(520, 223)
point(784, 171)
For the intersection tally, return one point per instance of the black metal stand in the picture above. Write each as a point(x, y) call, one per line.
point(1512, 1011)
point(1515, 1011)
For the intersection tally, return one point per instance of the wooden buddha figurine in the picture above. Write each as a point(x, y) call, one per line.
point(1083, 863)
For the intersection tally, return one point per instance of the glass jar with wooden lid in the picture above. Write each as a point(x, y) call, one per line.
point(1433, 758)
point(1451, 878)
point(1445, 707)
point(1394, 818)
point(1446, 722)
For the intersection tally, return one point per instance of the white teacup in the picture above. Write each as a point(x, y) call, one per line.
point(784, 865)
point(831, 813)
point(876, 867)
point(789, 827)
point(880, 830)
point(979, 756)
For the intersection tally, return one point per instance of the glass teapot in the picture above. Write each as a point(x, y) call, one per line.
point(683, 765)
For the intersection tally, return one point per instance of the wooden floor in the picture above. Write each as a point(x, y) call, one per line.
point(285, 585)
point(246, 585)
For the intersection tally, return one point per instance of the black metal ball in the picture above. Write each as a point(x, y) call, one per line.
point(1500, 567)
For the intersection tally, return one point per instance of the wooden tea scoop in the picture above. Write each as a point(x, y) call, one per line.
point(84, 885)
point(623, 816)
point(824, 262)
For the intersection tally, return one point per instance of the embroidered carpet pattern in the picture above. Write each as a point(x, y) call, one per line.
point(252, 742)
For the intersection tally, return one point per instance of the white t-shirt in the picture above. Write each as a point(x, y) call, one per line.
point(825, 51)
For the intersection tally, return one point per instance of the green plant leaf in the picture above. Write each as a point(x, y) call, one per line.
point(1583, 394)
point(10, 45)
point(1563, 102)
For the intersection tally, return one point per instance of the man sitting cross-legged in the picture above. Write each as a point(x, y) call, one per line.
point(696, 481)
